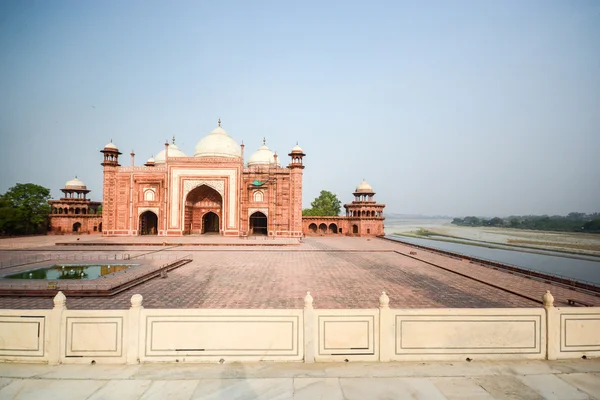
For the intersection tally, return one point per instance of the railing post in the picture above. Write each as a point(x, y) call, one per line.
point(552, 327)
point(54, 342)
point(133, 337)
point(386, 329)
point(309, 337)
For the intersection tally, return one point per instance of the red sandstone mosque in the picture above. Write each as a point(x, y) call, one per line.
point(214, 191)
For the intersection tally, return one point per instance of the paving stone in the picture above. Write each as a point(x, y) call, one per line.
point(244, 389)
point(14, 370)
point(588, 383)
point(506, 388)
point(86, 371)
point(171, 390)
point(4, 382)
point(461, 388)
point(317, 388)
point(553, 388)
point(389, 388)
point(121, 389)
point(35, 389)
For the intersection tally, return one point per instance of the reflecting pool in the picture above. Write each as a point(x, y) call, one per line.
point(70, 271)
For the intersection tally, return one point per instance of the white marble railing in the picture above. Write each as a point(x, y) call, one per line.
point(216, 335)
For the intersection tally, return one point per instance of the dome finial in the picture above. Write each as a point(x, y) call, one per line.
point(219, 122)
point(264, 141)
point(173, 139)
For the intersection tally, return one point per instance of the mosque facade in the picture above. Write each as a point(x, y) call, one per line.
point(212, 192)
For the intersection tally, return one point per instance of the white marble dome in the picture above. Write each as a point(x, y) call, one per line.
point(297, 149)
point(173, 152)
point(217, 144)
point(75, 183)
point(111, 145)
point(262, 156)
point(364, 187)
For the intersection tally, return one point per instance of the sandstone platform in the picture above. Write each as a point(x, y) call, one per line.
point(340, 272)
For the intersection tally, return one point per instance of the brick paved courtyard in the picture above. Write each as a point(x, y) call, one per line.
point(339, 272)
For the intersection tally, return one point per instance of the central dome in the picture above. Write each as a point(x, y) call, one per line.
point(217, 144)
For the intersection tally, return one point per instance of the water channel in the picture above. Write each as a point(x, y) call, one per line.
point(585, 270)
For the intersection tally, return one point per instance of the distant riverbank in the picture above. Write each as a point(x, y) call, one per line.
point(443, 230)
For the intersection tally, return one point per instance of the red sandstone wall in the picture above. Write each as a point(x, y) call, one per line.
point(63, 224)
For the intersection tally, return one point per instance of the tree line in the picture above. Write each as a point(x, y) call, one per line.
point(326, 204)
point(573, 222)
point(24, 210)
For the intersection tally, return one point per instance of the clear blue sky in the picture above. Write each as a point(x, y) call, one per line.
point(445, 107)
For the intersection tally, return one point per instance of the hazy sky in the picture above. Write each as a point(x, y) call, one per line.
point(444, 107)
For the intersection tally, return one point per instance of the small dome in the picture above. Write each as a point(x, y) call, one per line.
point(262, 156)
point(173, 152)
point(111, 145)
point(217, 144)
point(75, 183)
point(364, 187)
point(151, 160)
point(297, 149)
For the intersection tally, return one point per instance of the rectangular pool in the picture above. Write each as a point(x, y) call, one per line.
point(70, 271)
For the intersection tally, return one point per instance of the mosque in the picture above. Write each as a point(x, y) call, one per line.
point(212, 192)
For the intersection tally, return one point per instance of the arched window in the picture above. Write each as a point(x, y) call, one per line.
point(149, 195)
point(258, 196)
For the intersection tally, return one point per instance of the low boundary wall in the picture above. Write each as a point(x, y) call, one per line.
point(322, 335)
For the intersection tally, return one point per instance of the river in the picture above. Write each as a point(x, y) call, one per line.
point(577, 269)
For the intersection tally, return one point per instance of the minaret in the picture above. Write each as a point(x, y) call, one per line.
point(109, 194)
point(296, 173)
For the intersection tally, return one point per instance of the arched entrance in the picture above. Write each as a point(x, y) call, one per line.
point(323, 228)
point(76, 226)
point(258, 224)
point(333, 228)
point(210, 223)
point(355, 229)
point(199, 203)
point(313, 228)
point(148, 223)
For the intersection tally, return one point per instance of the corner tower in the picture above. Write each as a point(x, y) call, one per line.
point(110, 164)
point(296, 167)
point(365, 216)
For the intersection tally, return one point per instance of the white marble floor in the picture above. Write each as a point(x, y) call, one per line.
point(579, 379)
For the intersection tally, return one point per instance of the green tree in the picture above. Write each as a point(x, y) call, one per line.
point(327, 204)
point(592, 226)
point(24, 209)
